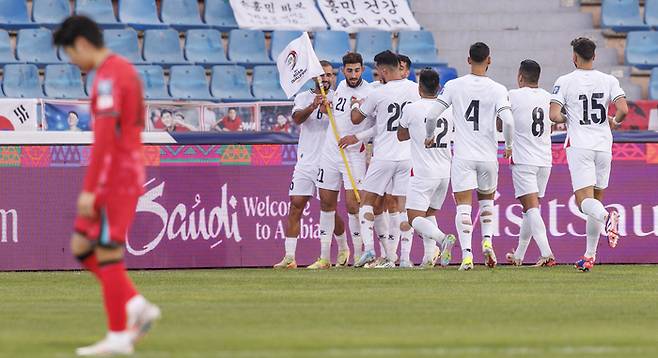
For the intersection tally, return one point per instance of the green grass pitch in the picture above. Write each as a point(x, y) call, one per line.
point(609, 312)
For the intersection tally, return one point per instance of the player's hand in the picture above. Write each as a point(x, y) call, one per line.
point(86, 202)
point(429, 142)
point(508, 153)
point(317, 101)
point(323, 106)
point(355, 100)
point(612, 123)
point(347, 141)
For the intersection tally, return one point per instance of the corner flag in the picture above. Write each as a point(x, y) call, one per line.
point(297, 64)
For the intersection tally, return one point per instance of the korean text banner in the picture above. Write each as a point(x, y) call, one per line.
point(300, 15)
point(355, 15)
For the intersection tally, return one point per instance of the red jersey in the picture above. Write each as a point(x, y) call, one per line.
point(117, 108)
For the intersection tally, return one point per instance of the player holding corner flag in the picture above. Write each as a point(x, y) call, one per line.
point(112, 185)
point(585, 94)
point(477, 101)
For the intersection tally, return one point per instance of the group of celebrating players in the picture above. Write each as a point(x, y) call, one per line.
point(412, 126)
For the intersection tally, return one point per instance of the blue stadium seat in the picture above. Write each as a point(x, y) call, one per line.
point(21, 81)
point(123, 42)
point(189, 82)
point(229, 83)
point(89, 82)
point(35, 45)
point(651, 13)
point(370, 43)
point(163, 47)
point(219, 15)
point(642, 49)
point(247, 48)
point(6, 52)
point(153, 80)
point(13, 14)
point(63, 81)
point(281, 39)
point(331, 46)
point(140, 14)
point(50, 13)
point(181, 14)
point(367, 74)
point(622, 15)
point(420, 47)
point(204, 47)
point(266, 84)
point(100, 11)
point(653, 84)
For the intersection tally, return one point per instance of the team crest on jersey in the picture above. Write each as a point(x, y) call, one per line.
point(556, 89)
point(105, 99)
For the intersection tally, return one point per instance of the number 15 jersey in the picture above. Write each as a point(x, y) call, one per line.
point(476, 102)
point(532, 127)
point(586, 94)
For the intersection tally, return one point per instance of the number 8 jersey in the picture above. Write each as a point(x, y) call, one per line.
point(476, 102)
point(532, 127)
point(586, 94)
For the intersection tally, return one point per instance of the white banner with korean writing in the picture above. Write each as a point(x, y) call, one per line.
point(300, 15)
point(355, 15)
point(18, 115)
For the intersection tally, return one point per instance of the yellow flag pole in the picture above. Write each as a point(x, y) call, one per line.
point(332, 121)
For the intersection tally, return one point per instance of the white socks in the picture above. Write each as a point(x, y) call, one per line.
point(367, 227)
point(596, 218)
point(393, 236)
point(464, 225)
point(486, 219)
point(291, 246)
point(425, 227)
point(355, 229)
point(538, 231)
point(524, 238)
point(432, 219)
point(406, 238)
point(327, 224)
point(594, 208)
point(381, 228)
point(341, 240)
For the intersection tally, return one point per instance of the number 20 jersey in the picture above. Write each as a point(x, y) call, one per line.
point(386, 103)
point(532, 127)
point(476, 102)
point(586, 94)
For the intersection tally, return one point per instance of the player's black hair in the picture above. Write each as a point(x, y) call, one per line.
point(387, 58)
point(429, 81)
point(352, 57)
point(325, 63)
point(530, 71)
point(162, 112)
point(78, 26)
point(73, 113)
point(584, 47)
point(405, 59)
point(478, 52)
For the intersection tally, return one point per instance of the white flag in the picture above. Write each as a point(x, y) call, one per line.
point(297, 64)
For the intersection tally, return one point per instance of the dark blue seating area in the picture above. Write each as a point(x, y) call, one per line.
point(622, 15)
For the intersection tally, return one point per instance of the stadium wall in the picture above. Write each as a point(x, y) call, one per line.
point(225, 206)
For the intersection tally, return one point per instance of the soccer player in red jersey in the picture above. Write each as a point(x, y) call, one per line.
point(112, 185)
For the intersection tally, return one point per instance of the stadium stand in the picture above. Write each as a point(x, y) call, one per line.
point(101, 11)
point(124, 42)
point(35, 46)
point(642, 49)
point(281, 39)
point(13, 15)
point(162, 46)
point(181, 14)
point(331, 46)
point(651, 13)
point(6, 52)
point(139, 14)
point(247, 48)
point(21, 81)
point(622, 15)
point(50, 13)
point(266, 84)
point(218, 14)
point(153, 78)
point(370, 43)
point(204, 47)
point(229, 83)
point(189, 82)
point(653, 84)
point(419, 46)
point(63, 81)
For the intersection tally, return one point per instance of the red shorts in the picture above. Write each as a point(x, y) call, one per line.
point(114, 214)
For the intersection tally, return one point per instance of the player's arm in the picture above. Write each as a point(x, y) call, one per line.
point(619, 99)
point(555, 113)
point(362, 136)
point(403, 127)
point(301, 114)
point(507, 120)
point(558, 99)
point(443, 101)
point(357, 115)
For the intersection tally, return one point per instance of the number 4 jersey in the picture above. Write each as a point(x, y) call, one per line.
point(586, 94)
point(476, 102)
point(532, 127)
point(386, 103)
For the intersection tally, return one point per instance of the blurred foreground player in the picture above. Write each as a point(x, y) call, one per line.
point(112, 185)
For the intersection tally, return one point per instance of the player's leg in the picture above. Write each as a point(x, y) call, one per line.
point(381, 227)
point(436, 202)
point(358, 167)
point(340, 235)
point(417, 204)
point(537, 223)
point(464, 180)
point(328, 201)
point(399, 192)
point(394, 213)
point(83, 250)
point(487, 177)
point(302, 188)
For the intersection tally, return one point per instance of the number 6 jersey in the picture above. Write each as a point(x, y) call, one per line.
point(586, 94)
point(532, 127)
point(476, 102)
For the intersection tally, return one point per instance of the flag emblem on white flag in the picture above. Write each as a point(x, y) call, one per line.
point(297, 64)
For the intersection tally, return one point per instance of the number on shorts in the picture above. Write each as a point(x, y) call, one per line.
point(292, 185)
point(442, 124)
point(537, 122)
point(473, 114)
point(597, 119)
point(320, 175)
point(395, 110)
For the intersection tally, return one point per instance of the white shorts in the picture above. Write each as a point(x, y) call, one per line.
point(529, 179)
point(589, 168)
point(332, 172)
point(381, 172)
point(303, 181)
point(425, 193)
point(470, 174)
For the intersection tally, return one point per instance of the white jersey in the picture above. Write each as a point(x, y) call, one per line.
point(476, 102)
point(313, 130)
point(428, 162)
point(532, 127)
point(386, 103)
point(586, 94)
point(342, 103)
